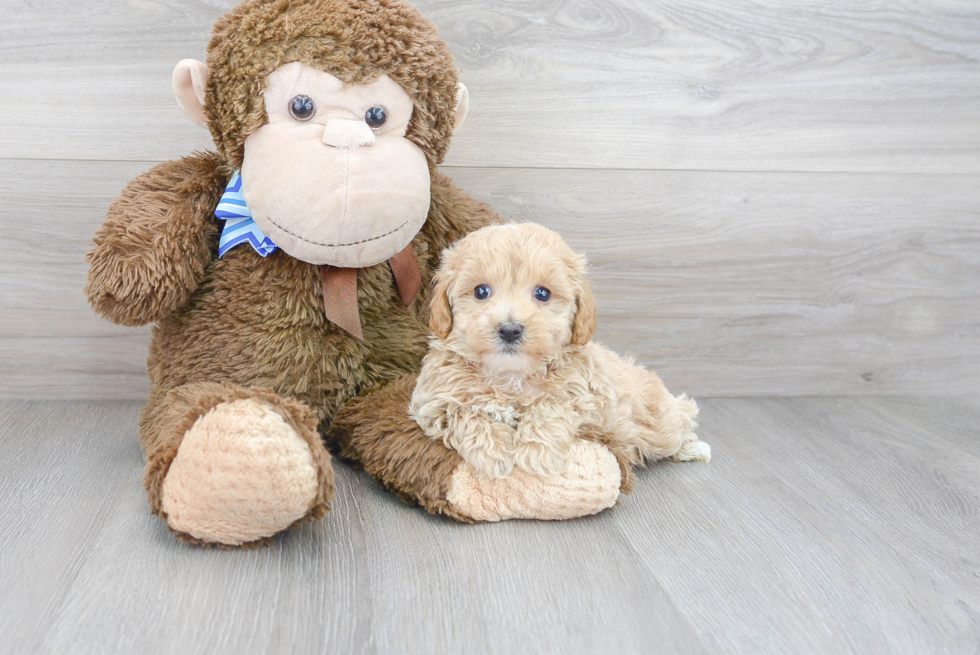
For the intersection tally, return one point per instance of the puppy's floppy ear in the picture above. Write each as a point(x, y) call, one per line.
point(440, 311)
point(584, 323)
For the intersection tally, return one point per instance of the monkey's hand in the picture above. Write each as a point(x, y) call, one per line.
point(589, 483)
point(154, 247)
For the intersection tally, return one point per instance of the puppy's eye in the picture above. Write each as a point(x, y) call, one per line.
point(302, 108)
point(375, 117)
point(482, 292)
point(541, 294)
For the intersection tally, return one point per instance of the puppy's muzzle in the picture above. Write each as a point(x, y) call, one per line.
point(510, 333)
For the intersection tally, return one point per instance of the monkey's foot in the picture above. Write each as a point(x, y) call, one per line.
point(241, 474)
point(589, 484)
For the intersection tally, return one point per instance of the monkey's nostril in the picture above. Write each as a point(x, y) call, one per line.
point(510, 332)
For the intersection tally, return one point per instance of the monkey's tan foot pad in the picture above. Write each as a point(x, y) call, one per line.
point(241, 474)
point(589, 484)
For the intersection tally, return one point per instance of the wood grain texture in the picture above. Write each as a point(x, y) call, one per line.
point(841, 509)
point(725, 283)
point(819, 85)
point(861, 280)
point(821, 526)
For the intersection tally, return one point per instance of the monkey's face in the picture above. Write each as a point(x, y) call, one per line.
point(333, 172)
point(331, 178)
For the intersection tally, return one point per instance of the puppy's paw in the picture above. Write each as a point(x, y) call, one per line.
point(490, 462)
point(693, 451)
point(542, 448)
point(541, 458)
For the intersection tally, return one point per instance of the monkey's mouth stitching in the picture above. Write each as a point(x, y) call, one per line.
point(337, 245)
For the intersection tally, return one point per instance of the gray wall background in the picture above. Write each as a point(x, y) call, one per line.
point(777, 198)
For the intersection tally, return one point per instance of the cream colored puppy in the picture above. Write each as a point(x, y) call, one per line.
point(512, 376)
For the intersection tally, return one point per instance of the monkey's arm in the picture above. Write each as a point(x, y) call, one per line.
point(156, 242)
point(375, 431)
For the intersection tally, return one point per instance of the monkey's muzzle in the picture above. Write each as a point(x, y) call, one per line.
point(346, 206)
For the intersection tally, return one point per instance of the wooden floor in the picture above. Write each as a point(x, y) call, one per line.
point(821, 526)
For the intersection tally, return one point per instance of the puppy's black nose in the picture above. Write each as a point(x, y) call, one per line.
point(510, 332)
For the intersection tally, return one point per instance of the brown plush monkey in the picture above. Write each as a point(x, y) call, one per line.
point(329, 118)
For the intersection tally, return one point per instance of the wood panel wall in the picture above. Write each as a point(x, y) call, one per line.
point(777, 198)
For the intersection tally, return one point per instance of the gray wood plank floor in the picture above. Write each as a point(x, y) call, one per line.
point(824, 525)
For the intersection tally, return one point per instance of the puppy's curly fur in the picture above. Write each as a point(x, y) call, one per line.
point(502, 401)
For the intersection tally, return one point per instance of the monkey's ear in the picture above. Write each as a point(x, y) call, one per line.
point(462, 105)
point(190, 82)
point(584, 323)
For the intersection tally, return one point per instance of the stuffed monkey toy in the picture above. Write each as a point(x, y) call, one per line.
point(288, 276)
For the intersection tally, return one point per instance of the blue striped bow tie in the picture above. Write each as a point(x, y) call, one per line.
point(239, 225)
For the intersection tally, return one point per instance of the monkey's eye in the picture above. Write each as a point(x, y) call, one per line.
point(375, 117)
point(302, 108)
point(541, 294)
point(482, 292)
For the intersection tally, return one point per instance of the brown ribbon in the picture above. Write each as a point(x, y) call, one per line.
point(408, 277)
point(340, 290)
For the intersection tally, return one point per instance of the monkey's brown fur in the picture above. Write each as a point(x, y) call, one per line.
point(251, 327)
point(376, 432)
point(259, 323)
